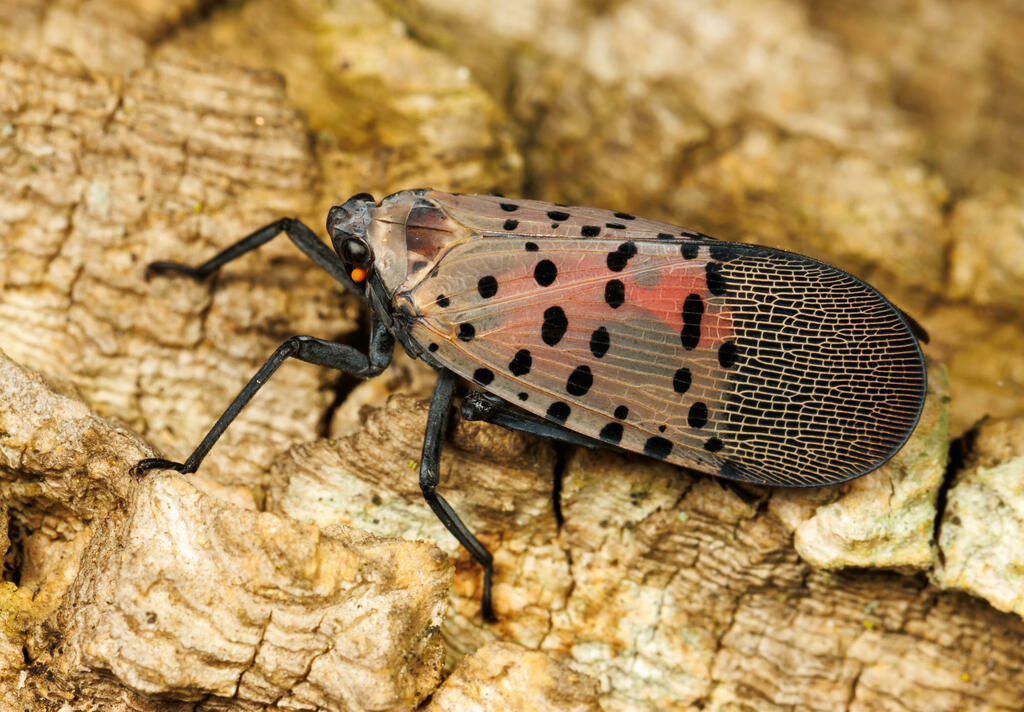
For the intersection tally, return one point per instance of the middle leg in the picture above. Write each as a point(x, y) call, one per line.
point(430, 476)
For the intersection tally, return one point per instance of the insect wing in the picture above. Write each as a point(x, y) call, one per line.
point(742, 361)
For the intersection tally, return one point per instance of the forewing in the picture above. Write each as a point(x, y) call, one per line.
point(491, 214)
point(737, 360)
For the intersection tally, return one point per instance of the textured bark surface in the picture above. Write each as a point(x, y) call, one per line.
point(187, 597)
point(885, 139)
point(129, 594)
point(500, 677)
point(102, 177)
point(980, 532)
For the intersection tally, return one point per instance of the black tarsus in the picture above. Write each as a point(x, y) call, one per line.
point(737, 489)
point(430, 475)
point(489, 408)
point(304, 348)
point(916, 329)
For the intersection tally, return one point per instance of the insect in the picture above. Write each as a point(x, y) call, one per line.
point(599, 328)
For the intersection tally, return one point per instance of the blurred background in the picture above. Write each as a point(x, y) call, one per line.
point(884, 137)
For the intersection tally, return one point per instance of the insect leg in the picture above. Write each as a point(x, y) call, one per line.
point(916, 329)
point(303, 348)
point(302, 236)
point(430, 475)
point(489, 408)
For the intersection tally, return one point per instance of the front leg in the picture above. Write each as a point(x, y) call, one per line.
point(304, 238)
point(430, 475)
point(304, 348)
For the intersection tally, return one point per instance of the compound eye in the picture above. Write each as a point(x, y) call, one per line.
point(355, 252)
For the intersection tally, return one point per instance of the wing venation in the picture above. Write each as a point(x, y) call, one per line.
point(737, 360)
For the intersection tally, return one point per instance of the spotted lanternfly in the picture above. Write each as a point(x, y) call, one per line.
point(604, 329)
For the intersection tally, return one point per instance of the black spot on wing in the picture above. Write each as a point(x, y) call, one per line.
point(615, 293)
point(600, 342)
point(681, 380)
point(623, 253)
point(657, 447)
point(727, 354)
point(580, 381)
point(611, 433)
point(559, 411)
point(521, 363)
point(715, 278)
point(545, 273)
point(723, 252)
point(698, 415)
point(554, 326)
point(693, 313)
point(487, 286)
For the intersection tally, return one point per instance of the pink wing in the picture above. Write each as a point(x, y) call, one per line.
point(737, 360)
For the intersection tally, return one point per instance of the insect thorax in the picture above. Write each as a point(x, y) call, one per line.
point(408, 234)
